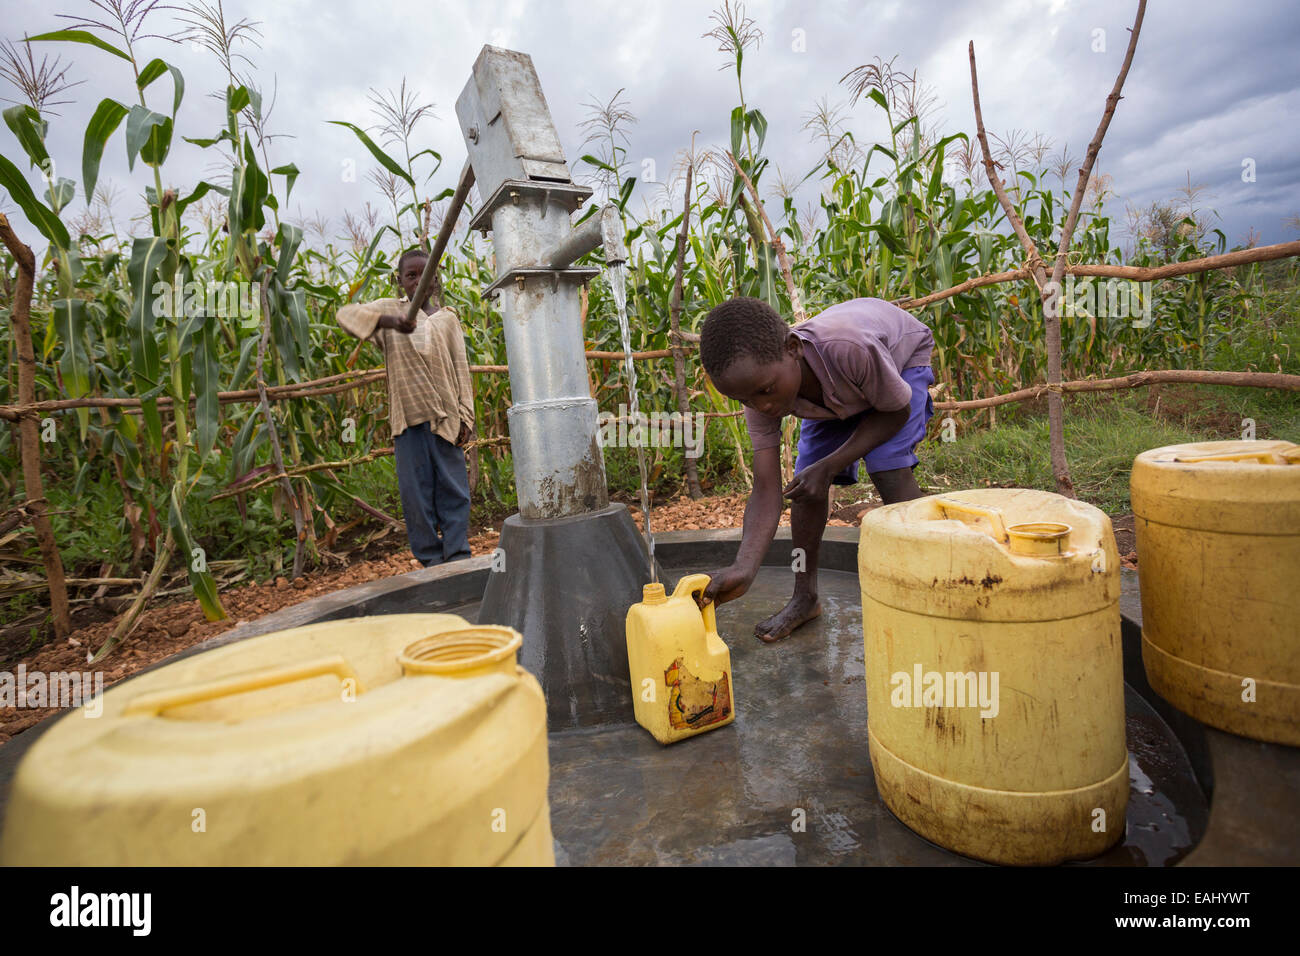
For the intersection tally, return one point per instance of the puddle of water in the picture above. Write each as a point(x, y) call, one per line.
point(1167, 812)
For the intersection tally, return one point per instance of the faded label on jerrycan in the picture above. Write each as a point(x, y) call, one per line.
point(695, 703)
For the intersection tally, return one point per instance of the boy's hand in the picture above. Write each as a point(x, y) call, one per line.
point(811, 484)
point(725, 585)
point(399, 323)
point(465, 433)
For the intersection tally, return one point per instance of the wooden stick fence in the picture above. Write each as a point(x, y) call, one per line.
point(344, 381)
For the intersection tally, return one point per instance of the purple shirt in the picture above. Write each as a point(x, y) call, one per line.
point(857, 350)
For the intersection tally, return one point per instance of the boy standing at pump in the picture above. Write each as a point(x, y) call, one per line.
point(857, 376)
point(430, 411)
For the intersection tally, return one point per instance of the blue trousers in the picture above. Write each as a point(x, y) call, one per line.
point(434, 485)
point(821, 437)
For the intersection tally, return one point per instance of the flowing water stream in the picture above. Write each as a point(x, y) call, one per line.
point(616, 273)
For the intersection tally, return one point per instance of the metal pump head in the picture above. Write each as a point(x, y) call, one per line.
point(506, 124)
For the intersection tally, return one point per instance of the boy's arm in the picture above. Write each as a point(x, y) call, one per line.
point(762, 515)
point(360, 318)
point(363, 319)
point(874, 429)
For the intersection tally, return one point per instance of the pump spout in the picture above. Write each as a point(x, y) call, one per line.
point(603, 229)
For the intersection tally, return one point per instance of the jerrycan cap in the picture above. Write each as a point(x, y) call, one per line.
point(464, 652)
point(1043, 539)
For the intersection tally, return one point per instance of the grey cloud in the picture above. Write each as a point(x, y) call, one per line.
point(1190, 105)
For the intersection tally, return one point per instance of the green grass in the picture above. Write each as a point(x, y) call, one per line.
point(1103, 433)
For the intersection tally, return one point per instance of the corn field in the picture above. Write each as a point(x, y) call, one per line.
point(164, 475)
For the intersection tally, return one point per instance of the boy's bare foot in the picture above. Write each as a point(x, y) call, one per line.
point(801, 609)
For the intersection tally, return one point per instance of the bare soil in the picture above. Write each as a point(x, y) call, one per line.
point(1190, 407)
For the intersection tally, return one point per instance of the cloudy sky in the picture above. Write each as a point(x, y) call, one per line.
point(1212, 85)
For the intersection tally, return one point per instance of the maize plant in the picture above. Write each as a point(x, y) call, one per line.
point(164, 466)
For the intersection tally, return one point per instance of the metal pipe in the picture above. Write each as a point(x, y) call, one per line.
point(575, 562)
point(605, 228)
point(558, 465)
point(440, 245)
point(521, 171)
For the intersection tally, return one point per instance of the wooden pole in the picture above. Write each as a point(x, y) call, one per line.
point(1052, 302)
point(1228, 260)
point(1034, 263)
point(1276, 380)
point(28, 429)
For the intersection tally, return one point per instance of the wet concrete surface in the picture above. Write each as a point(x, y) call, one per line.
point(798, 751)
point(799, 744)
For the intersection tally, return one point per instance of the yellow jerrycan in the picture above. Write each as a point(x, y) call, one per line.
point(994, 672)
point(1218, 540)
point(406, 739)
point(680, 667)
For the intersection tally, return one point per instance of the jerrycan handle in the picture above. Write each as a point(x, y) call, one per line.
point(689, 586)
point(153, 704)
point(962, 511)
point(1262, 457)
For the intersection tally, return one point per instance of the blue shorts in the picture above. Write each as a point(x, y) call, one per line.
point(819, 437)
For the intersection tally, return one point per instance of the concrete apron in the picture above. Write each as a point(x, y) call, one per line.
point(798, 748)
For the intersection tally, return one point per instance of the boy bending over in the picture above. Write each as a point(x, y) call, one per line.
point(857, 376)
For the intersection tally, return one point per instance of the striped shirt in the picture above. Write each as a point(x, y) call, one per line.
point(428, 374)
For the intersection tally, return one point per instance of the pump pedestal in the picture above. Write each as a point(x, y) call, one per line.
point(567, 583)
point(573, 564)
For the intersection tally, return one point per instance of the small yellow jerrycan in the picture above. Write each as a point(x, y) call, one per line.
point(680, 668)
